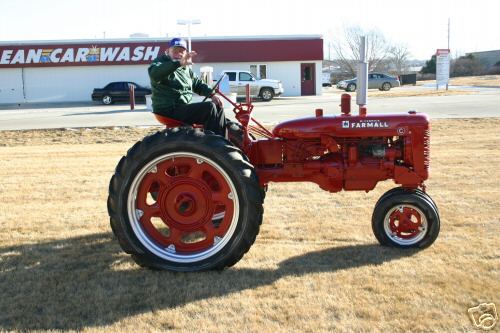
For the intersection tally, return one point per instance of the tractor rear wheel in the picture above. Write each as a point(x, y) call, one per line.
point(185, 200)
point(406, 218)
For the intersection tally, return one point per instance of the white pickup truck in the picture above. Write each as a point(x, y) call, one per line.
point(264, 88)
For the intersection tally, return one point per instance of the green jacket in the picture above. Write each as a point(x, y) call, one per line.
point(173, 85)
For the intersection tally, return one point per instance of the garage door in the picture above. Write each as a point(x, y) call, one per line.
point(11, 85)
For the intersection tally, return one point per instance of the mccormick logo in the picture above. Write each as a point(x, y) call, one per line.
point(365, 123)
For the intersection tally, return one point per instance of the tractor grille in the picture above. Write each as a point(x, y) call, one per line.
point(427, 148)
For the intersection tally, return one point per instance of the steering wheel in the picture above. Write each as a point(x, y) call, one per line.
point(216, 85)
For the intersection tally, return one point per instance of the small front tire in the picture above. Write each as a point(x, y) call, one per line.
point(406, 220)
point(402, 190)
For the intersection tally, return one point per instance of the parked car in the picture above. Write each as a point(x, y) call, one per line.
point(326, 80)
point(375, 81)
point(266, 89)
point(119, 91)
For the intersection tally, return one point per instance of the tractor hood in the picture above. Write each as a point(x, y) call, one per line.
point(351, 126)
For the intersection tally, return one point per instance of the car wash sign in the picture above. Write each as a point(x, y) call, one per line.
point(79, 54)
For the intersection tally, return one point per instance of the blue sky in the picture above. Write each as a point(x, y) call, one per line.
point(422, 25)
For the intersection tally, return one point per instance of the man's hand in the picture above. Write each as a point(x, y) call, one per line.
point(187, 58)
point(217, 101)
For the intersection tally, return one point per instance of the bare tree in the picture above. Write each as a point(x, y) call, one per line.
point(346, 48)
point(466, 66)
point(399, 56)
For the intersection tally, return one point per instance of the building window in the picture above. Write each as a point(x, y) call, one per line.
point(259, 71)
point(253, 70)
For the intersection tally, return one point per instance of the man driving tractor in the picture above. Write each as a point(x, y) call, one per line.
point(173, 83)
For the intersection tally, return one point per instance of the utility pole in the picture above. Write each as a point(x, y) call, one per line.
point(448, 33)
point(448, 46)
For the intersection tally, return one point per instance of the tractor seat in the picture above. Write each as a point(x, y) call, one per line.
point(169, 122)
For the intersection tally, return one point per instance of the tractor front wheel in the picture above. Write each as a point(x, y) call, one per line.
point(185, 200)
point(406, 218)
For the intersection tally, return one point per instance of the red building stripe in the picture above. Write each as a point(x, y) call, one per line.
point(258, 50)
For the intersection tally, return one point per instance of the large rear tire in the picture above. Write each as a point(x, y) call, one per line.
point(185, 200)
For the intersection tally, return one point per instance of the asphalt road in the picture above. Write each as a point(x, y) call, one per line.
point(484, 103)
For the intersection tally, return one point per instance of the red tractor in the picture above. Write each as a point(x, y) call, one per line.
point(184, 199)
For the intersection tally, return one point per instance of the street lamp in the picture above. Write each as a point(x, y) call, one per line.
point(188, 23)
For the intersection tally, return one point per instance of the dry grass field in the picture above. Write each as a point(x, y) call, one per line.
point(492, 81)
point(487, 81)
point(480, 81)
point(315, 266)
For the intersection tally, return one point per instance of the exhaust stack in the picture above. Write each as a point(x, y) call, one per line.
point(362, 82)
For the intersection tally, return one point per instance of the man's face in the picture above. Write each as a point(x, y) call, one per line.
point(176, 52)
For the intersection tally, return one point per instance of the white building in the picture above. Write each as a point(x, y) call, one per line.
point(68, 71)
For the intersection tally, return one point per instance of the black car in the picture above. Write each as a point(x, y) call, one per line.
point(119, 91)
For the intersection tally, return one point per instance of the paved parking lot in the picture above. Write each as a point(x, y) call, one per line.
point(483, 102)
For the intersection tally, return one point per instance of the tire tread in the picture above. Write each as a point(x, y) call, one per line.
point(233, 159)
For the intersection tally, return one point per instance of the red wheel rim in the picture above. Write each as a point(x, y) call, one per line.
point(405, 224)
point(194, 200)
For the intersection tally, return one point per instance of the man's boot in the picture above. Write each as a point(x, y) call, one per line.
point(235, 133)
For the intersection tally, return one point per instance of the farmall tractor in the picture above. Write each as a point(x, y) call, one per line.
point(184, 199)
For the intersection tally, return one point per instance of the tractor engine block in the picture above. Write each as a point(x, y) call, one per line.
point(346, 152)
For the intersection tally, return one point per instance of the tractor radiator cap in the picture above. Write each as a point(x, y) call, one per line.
point(412, 112)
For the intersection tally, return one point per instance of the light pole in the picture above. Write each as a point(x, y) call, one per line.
point(188, 23)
